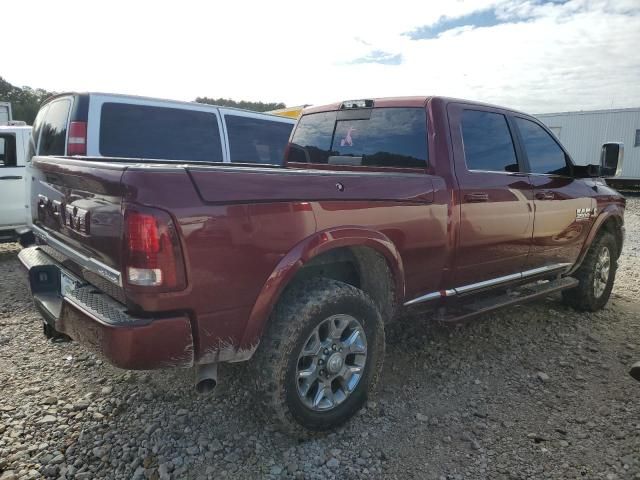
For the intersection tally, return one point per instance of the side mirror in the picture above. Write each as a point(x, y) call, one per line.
point(611, 159)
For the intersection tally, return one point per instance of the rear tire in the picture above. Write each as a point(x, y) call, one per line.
point(596, 276)
point(320, 357)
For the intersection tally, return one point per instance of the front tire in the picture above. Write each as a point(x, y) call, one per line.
point(596, 276)
point(321, 355)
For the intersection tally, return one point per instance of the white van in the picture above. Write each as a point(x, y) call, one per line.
point(99, 124)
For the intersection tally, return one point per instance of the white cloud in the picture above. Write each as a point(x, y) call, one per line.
point(576, 55)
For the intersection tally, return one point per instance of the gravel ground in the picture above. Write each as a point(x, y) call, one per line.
point(537, 391)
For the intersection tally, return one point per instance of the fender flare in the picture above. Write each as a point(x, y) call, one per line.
point(308, 249)
point(608, 212)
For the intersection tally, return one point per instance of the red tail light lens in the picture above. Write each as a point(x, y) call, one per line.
point(153, 256)
point(77, 141)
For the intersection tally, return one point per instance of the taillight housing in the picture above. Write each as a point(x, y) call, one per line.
point(152, 254)
point(77, 139)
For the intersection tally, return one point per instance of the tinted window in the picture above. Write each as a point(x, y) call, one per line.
point(312, 138)
point(141, 131)
point(54, 129)
point(543, 153)
point(390, 137)
point(254, 140)
point(487, 142)
point(7, 151)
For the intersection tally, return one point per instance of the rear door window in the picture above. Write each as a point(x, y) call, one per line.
point(382, 137)
point(544, 154)
point(143, 131)
point(487, 142)
point(54, 128)
point(256, 140)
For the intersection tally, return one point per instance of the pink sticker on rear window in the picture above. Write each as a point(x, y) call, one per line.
point(347, 141)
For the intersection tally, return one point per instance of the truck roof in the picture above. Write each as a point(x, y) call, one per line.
point(413, 101)
point(156, 99)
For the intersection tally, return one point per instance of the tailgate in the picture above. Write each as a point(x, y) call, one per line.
point(76, 209)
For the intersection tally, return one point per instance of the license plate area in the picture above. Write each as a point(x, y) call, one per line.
point(68, 283)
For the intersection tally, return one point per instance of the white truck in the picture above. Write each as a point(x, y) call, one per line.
point(14, 146)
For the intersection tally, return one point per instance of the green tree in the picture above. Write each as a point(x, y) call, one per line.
point(25, 101)
point(255, 106)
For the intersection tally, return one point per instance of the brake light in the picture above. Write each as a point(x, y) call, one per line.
point(77, 141)
point(153, 257)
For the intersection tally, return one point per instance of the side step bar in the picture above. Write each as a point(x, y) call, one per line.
point(521, 295)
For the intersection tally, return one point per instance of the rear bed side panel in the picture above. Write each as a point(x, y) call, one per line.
point(234, 246)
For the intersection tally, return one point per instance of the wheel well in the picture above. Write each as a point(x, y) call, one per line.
point(362, 267)
point(613, 225)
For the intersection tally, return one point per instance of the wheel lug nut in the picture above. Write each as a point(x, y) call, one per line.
point(333, 347)
point(321, 362)
point(326, 351)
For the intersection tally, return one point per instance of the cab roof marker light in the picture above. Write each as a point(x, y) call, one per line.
point(357, 104)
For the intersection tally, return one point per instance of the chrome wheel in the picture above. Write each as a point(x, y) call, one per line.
point(331, 363)
point(601, 274)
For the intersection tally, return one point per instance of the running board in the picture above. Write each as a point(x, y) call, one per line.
point(518, 296)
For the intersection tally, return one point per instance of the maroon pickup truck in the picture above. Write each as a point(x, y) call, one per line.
point(449, 206)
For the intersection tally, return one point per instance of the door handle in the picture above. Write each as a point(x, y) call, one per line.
point(10, 177)
point(545, 196)
point(476, 197)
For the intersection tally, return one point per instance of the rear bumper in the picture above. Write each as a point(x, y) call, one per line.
point(95, 320)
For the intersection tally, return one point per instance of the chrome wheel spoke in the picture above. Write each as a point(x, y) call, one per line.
point(602, 272)
point(305, 386)
point(354, 343)
point(350, 377)
point(337, 326)
point(310, 372)
point(324, 393)
point(313, 345)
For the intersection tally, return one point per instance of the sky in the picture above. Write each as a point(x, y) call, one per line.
point(534, 55)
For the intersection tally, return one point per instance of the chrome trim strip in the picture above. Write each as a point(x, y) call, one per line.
point(424, 298)
point(487, 283)
point(548, 268)
point(89, 263)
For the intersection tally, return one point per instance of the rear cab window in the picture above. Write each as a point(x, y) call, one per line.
point(144, 131)
point(257, 140)
point(376, 137)
point(53, 131)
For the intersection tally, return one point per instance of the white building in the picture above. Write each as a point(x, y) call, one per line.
point(583, 133)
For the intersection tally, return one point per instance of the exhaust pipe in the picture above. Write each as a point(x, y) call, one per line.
point(206, 377)
point(635, 371)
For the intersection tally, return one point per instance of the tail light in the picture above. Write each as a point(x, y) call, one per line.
point(152, 253)
point(77, 141)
